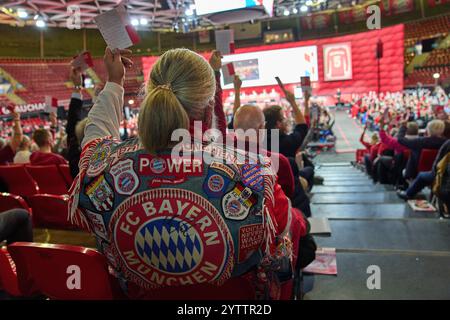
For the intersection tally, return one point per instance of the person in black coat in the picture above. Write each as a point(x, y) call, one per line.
point(73, 118)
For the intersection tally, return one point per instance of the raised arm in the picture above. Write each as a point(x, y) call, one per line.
point(298, 114)
point(216, 63)
point(17, 130)
point(237, 83)
point(106, 114)
point(361, 139)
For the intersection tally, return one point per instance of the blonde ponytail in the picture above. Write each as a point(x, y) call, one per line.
point(179, 89)
point(161, 113)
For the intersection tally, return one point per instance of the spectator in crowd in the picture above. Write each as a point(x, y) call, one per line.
point(16, 225)
point(73, 119)
point(434, 140)
point(372, 147)
point(289, 143)
point(23, 151)
point(45, 156)
point(8, 150)
point(209, 203)
point(425, 179)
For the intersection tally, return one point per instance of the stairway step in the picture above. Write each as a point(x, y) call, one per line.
point(347, 178)
point(350, 189)
point(349, 182)
point(414, 234)
point(336, 164)
point(362, 211)
point(369, 198)
point(402, 277)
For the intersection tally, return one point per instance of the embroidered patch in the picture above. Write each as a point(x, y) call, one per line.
point(223, 168)
point(100, 193)
point(97, 161)
point(166, 166)
point(252, 176)
point(237, 203)
point(171, 237)
point(215, 184)
point(250, 239)
point(126, 180)
point(97, 224)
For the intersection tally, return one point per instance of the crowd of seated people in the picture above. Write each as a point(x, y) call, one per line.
point(274, 200)
point(410, 135)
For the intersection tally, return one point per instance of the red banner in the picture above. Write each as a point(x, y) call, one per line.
point(321, 21)
point(401, 6)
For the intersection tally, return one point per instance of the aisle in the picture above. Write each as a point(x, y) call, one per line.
point(371, 226)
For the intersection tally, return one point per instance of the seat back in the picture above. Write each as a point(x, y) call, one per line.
point(10, 201)
point(50, 211)
point(8, 276)
point(427, 157)
point(64, 169)
point(63, 272)
point(18, 180)
point(48, 178)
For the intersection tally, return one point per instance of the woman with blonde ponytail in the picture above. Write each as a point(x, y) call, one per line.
point(166, 221)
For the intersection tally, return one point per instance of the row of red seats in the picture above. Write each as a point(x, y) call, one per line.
point(30, 269)
point(426, 160)
point(28, 180)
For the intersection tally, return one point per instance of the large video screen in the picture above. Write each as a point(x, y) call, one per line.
point(212, 6)
point(260, 68)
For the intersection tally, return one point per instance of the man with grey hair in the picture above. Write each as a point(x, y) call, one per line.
point(434, 140)
point(249, 117)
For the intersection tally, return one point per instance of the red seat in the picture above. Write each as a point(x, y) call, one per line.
point(426, 160)
point(63, 272)
point(50, 211)
point(48, 178)
point(10, 201)
point(360, 155)
point(18, 180)
point(64, 169)
point(8, 275)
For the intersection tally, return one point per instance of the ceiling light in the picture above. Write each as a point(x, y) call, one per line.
point(131, 102)
point(303, 8)
point(286, 12)
point(294, 10)
point(309, 3)
point(143, 21)
point(22, 14)
point(40, 23)
point(436, 75)
point(134, 22)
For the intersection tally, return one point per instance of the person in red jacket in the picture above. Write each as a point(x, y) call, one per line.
point(136, 196)
point(45, 156)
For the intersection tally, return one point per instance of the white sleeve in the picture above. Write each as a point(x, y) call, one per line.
point(106, 114)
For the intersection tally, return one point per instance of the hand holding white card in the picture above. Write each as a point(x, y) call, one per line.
point(228, 73)
point(115, 28)
point(225, 41)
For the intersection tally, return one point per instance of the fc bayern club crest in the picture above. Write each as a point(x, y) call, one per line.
point(171, 237)
point(237, 203)
point(125, 178)
point(215, 184)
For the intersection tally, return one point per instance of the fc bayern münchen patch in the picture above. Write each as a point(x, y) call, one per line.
point(125, 178)
point(236, 204)
point(100, 193)
point(215, 184)
point(171, 237)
